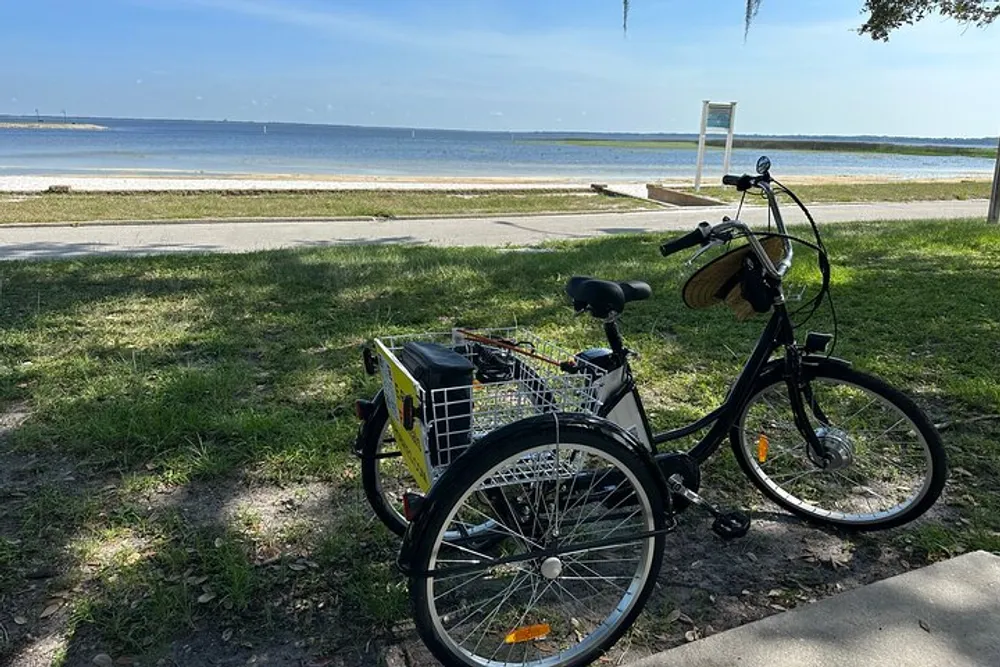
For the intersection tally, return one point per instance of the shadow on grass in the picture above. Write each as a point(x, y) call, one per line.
point(159, 374)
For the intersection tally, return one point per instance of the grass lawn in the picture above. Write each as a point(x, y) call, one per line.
point(899, 191)
point(175, 467)
point(171, 206)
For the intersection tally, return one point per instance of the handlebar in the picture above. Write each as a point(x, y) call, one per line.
point(699, 236)
point(706, 233)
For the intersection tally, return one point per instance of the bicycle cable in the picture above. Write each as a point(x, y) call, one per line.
point(824, 260)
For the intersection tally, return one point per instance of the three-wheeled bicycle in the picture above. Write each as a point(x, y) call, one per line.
point(533, 497)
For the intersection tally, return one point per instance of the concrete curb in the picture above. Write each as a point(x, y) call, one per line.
point(944, 614)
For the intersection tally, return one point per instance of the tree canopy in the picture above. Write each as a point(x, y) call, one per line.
point(885, 16)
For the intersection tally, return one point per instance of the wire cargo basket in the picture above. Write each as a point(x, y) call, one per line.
point(516, 375)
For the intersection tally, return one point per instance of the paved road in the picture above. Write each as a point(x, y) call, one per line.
point(61, 241)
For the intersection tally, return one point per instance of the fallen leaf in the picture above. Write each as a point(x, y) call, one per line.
point(297, 567)
point(227, 634)
point(751, 557)
point(218, 542)
point(197, 581)
point(150, 466)
point(103, 660)
point(673, 616)
point(125, 660)
point(52, 608)
point(691, 635)
point(684, 618)
point(775, 593)
point(778, 607)
point(206, 597)
point(925, 625)
point(20, 620)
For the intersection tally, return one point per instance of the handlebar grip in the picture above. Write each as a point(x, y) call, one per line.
point(742, 183)
point(697, 237)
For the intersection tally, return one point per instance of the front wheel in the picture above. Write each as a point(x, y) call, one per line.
point(578, 518)
point(882, 463)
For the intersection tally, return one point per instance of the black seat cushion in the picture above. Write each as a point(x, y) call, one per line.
point(604, 296)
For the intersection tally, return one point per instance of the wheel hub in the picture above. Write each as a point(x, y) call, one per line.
point(837, 448)
point(551, 568)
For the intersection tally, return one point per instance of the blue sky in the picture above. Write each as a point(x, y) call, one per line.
point(498, 64)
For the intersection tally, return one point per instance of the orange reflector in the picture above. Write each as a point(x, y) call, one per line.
point(762, 445)
point(528, 633)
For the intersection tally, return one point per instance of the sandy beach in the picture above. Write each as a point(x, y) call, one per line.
point(267, 182)
point(280, 183)
point(50, 126)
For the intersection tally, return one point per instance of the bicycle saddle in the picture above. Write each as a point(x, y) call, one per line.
point(604, 297)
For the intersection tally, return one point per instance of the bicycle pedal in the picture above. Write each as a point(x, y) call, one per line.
point(731, 525)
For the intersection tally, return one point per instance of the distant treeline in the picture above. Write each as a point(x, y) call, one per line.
point(792, 145)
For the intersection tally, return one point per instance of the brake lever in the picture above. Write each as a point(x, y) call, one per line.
point(715, 242)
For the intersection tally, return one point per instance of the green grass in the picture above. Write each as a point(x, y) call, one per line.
point(55, 207)
point(899, 191)
point(786, 144)
point(167, 374)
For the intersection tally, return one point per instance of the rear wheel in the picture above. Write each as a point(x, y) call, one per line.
point(383, 473)
point(882, 463)
point(571, 564)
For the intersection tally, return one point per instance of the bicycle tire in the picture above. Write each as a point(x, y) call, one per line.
point(846, 449)
point(374, 441)
point(495, 456)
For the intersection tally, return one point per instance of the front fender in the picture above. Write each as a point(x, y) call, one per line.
point(460, 470)
point(776, 367)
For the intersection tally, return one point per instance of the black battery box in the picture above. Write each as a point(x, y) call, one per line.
point(446, 377)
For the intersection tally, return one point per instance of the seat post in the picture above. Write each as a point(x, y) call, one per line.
point(614, 335)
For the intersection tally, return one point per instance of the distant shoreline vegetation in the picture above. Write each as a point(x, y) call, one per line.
point(34, 125)
point(783, 144)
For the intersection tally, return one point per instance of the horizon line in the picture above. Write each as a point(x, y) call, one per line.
point(66, 118)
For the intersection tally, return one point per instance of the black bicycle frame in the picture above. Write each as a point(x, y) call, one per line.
point(778, 333)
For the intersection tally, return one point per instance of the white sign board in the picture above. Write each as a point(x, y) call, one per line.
point(715, 116)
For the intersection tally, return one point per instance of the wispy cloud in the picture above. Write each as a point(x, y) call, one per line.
point(563, 50)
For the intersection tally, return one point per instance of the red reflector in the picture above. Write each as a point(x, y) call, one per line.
point(362, 409)
point(411, 505)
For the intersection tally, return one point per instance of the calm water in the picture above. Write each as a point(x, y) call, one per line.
point(163, 146)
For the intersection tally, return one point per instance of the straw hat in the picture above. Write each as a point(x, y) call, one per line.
point(719, 281)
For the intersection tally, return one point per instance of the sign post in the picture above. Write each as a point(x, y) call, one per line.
point(715, 116)
point(994, 214)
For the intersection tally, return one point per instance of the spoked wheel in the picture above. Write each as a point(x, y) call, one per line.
point(882, 462)
point(383, 473)
point(386, 478)
point(573, 562)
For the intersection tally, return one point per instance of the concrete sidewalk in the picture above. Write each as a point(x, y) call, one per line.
point(947, 614)
point(54, 241)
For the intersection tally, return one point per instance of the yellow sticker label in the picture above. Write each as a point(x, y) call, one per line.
point(410, 441)
point(762, 445)
point(528, 633)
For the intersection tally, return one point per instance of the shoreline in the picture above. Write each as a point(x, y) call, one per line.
point(321, 183)
point(8, 125)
